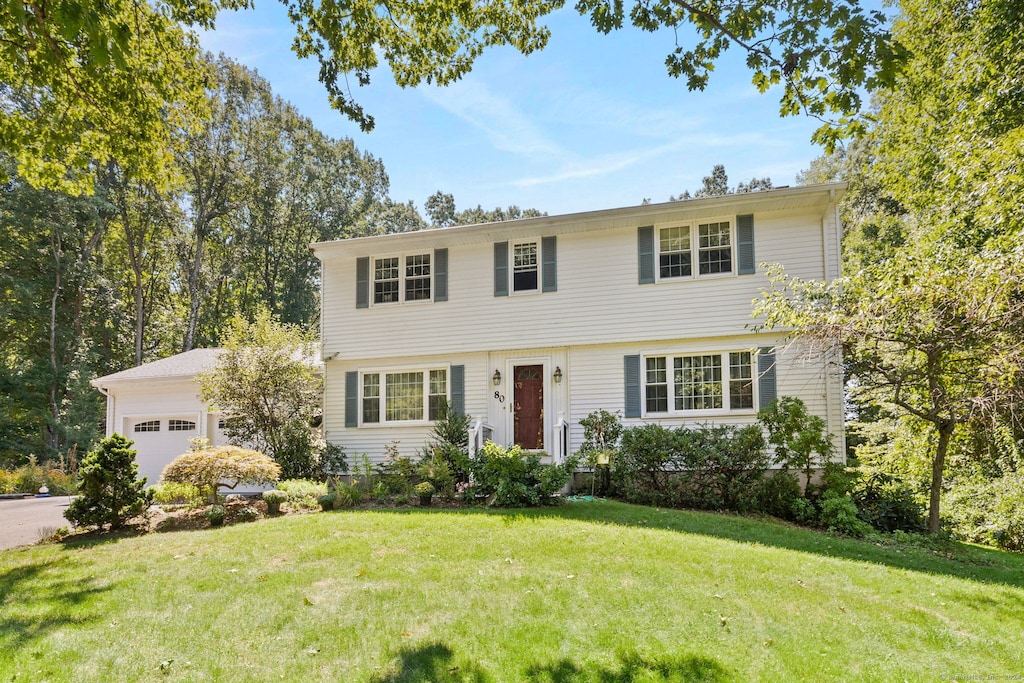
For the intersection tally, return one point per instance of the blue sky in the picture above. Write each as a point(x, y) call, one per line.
point(591, 122)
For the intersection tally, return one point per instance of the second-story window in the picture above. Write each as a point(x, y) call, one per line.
point(401, 278)
point(715, 248)
point(524, 267)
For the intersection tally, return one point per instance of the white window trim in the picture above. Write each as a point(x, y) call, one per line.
point(401, 278)
point(384, 422)
point(693, 226)
point(703, 412)
point(512, 291)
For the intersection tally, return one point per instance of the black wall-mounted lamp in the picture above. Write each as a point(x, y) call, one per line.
point(558, 375)
point(496, 379)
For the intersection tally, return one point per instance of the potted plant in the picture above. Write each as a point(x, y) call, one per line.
point(327, 501)
point(216, 514)
point(273, 499)
point(425, 490)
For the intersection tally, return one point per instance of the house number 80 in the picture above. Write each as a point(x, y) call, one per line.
point(500, 396)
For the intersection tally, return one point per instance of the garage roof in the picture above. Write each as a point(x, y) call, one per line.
point(186, 364)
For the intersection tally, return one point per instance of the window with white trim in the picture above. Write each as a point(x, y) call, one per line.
point(180, 425)
point(525, 267)
point(401, 278)
point(717, 381)
point(403, 396)
point(715, 248)
point(676, 247)
point(147, 426)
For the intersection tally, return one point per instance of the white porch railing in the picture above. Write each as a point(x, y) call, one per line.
point(479, 433)
point(561, 440)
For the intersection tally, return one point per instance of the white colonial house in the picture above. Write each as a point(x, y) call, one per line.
point(527, 326)
point(157, 405)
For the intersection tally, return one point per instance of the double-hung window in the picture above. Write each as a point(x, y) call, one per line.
point(401, 278)
point(403, 396)
point(524, 267)
point(712, 243)
point(699, 382)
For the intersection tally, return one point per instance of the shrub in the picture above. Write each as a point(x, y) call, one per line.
point(512, 478)
point(888, 504)
point(302, 493)
point(111, 492)
point(425, 488)
point(247, 513)
point(601, 433)
point(839, 515)
point(709, 467)
point(724, 466)
point(647, 458)
point(274, 499)
point(8, 482)
point(397, 473)
point(327, 500)
point(224, 466)
point(989, 511)
point(171, 492)
point(216, 514)
point(777, 494)
point(449, 442)
point(799, 438)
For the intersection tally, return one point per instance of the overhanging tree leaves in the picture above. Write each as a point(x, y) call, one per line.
point(82, 82)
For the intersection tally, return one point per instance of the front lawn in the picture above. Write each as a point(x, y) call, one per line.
point(595, 591)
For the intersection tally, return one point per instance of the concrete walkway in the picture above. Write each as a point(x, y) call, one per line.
point(25, 521)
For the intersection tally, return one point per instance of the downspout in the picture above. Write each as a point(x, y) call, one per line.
point(111, 404)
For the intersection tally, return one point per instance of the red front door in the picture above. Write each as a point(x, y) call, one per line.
point(528, 403)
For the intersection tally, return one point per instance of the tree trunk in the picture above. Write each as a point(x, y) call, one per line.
point(945, 433)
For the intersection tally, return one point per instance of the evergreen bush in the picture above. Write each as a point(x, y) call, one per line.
point(110, 491)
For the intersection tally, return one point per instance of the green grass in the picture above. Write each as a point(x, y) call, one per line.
point(586, 592)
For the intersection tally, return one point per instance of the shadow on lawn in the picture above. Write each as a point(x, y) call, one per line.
point(953, 559)
point(950, 559)
point(42, 597)
point(437, 663)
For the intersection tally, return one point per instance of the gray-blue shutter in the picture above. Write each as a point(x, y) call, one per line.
point(351, 399)
point(632, 375)
point(549, 260)
point(645, 251)
point(501, 269)
point(363, 282)
point(458, 387)
point(745, 244)
point(766, 389)
point(440, 275)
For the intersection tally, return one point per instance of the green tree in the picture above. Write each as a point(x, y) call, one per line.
point(717, 185)
point(799, 438)
point(935, 333)
point(440, 208)
point(270, 390)
point(123, 75)
point(110, 492)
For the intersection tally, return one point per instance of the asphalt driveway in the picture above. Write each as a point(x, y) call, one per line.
point(25, 521)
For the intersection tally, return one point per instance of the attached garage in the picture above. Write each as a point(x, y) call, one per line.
point(157, 405)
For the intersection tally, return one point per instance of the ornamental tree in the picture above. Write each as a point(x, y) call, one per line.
point(210, 469)
point(110, 492)
point(269, 389)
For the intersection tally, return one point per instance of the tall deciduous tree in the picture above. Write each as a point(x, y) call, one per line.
point(937, 334)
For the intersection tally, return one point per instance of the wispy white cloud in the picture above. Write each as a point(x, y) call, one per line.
point(498, 118)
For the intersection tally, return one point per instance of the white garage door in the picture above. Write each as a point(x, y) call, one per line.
point(159, 440)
